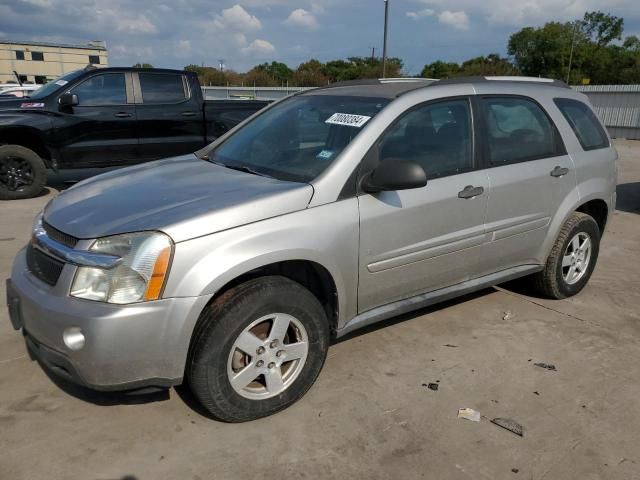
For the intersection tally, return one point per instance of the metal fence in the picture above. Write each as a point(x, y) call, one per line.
point(618, 106)
point(255, 93)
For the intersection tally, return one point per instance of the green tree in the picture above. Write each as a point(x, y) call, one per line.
point(278, 71)
point(582, 49)
point(440, 69)
point(310, 74)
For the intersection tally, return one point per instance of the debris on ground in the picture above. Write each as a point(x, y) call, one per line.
point(508, 424)
point(450, 345)
point(507, 315)
point(469, 414)
point(431, 386)
point(515, 470)
point(547, 366)
point(536, 393)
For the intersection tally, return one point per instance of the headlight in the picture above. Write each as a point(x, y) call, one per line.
point(139, 277)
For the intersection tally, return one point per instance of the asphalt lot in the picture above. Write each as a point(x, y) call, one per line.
point(369, 415)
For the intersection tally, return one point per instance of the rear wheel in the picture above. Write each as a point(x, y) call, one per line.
point(572, 259)
point(22, 173)
point(258, 348)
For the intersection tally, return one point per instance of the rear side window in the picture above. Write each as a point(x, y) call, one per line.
point(162, 87)
point(584, 123)
point(518, 130)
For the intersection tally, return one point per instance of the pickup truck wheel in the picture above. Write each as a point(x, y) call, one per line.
point(572, 259)
point(22, 173)
point(257, 349)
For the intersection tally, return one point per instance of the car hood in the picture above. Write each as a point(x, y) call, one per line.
point(185, 197)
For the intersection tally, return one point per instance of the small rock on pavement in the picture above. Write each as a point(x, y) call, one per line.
point(508, 424)
point(546, 366)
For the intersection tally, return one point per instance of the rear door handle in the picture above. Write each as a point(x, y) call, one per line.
point(559, 171)
point(470, 191)
point(122, 115)
point(188, 114)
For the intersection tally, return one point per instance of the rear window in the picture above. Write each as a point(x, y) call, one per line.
point(162, 87)
point(584, 123)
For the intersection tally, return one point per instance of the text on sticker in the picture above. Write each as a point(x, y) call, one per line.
point(348, 119)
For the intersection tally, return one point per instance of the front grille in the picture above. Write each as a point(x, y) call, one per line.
point(58, 236)
point(43, 266)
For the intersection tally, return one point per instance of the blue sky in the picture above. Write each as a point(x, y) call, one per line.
point(174, 33)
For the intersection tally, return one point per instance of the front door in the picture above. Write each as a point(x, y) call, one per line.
point(419, 240)
point(101, 130)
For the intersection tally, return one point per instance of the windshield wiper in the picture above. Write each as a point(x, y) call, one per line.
point(240, 168)
point(246, 169)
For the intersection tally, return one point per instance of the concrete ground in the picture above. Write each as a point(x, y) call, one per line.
point(369, 415)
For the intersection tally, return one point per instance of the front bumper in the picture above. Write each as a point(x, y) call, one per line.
point(126, 346)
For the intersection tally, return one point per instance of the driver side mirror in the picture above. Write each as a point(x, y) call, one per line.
point(68, 100)
point(394, 174)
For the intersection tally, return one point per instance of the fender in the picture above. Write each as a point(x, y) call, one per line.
point(204, 265)
point(30, 129)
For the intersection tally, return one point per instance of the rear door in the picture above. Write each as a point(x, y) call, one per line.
point(170, 116)
point(101, 129)
point(418, 240)
point(530, 174)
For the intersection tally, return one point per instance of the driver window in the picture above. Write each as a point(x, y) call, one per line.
point(436, 136)
point(107, 89)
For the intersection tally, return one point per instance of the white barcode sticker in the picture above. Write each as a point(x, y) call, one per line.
point(348, 119)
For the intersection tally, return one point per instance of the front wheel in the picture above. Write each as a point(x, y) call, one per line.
point(572, 259)
point(257, 349)
point(22, 173)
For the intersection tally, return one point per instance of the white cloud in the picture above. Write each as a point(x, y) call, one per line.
point(426, 12)
point(138, 24)
point(259, 48)
point(458, 20)
point(302, 18)
point(237, 18)
point(184, 46)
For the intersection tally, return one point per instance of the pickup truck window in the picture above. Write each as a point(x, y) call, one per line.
point(299, 138)
point(107, 89)
point(162, 87)
point(56, 84)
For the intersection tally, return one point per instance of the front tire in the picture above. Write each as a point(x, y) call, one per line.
point(257, 349)
point(572, 259)
point(23, 173)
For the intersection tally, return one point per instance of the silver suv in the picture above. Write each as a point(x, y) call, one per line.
point(232, 269)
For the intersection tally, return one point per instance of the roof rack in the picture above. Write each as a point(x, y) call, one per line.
point(506, 78)
point(378, 81)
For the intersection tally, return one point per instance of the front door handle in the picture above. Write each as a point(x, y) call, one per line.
point(470, 192)
point(188, 114)
point(559, 171)
point(122, 115)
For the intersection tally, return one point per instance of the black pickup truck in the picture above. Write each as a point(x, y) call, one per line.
point(107, 117)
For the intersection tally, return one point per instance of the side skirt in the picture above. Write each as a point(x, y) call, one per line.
point(394, 309)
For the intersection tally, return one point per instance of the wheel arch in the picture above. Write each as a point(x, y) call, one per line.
point(27, 137)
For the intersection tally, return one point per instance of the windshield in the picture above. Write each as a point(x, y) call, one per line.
point(56, 84)
point(299, 138)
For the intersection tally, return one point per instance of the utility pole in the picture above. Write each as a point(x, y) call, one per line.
point(373, 54)
point(384, 48)
point(573, 41)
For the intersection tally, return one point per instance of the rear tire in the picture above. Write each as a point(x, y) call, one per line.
point(572, 259)
point(23, 173)
point(257, 349)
